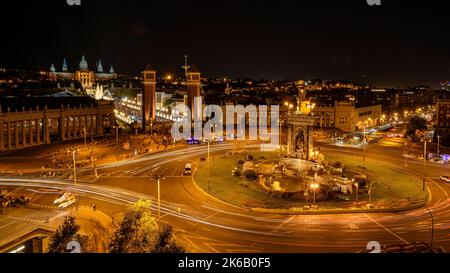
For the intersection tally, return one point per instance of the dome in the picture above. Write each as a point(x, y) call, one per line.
point(84, 64)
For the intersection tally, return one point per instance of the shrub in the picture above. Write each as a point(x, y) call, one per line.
point(250, 175)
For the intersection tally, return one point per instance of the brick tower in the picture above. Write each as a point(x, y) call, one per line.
point(149, 97)
point(193, 89)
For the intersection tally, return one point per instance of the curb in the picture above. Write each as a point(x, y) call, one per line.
point(337, 211)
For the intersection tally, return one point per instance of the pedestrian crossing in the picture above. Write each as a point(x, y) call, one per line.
point(30, 220)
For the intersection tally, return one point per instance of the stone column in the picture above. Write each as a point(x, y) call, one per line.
point(2, 135)
point(91, 126)
point(289, 141)
point(16, 134)
point(38, 131)
point(75, 127)
point(24, 134)
point(70, 127)
point(80, 126)
point(62, 128)
point(31, 131)
point(9, 135)
point(99, 122)
point(46, 126)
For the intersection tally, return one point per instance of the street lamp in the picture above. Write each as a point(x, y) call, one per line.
point(364, 143)
point(85, 140)
point(117, 142)
point(314, 186)
point(158, 179)
point(432, 226)
point(357, 192)
point(439, 146)
point(74, 162)
point(371, 191)
point(424, 162)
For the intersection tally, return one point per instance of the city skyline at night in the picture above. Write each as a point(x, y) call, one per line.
point(401, 44)
point(211, 136)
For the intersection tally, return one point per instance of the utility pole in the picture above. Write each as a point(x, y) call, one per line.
point(74, 166)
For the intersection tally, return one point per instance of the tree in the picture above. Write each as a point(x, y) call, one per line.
point(165, 242)
point(416, 123)
point(250, 175)
point(64, 235)
point(135, 233)
point(139, 233)
point(168, 103)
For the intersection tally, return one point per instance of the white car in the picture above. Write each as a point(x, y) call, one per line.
point(445, 179)
point(70, 201)
point(437, 161)
point(63, 198)
point(187, 170)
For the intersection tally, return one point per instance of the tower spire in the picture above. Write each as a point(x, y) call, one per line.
point(186, 67)
point(64, 67)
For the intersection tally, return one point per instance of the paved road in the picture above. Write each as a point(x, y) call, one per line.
point(208, 225)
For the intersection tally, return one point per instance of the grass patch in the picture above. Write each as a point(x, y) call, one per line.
point(227, 187)
point(391, 184)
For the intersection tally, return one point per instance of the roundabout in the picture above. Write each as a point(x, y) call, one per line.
point(341, 183)
point(205, 223)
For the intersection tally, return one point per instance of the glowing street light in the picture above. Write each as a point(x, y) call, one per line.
point(314, 186)
point(158, 179)
point(357, 192)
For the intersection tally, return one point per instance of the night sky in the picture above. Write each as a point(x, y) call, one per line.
point(403, 44)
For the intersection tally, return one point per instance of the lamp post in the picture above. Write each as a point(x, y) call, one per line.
point(74, 152)
point(117, 142)
point(158, 179)
point(439, 146)
point(424, 163)
point(314, 186)
point(357, 192)
point(85, 140)
point(432, 226)
point(371, 192)
point(364, 143)
point(209, 172)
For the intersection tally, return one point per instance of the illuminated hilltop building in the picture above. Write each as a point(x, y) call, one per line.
point(83, 74)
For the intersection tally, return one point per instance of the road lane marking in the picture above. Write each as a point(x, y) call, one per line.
point(437, 184)
point(10, 223)
point(275, 229)
point(385, 228)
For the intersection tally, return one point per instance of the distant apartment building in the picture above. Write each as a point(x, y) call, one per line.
point(443, 121)
point(346, 116)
